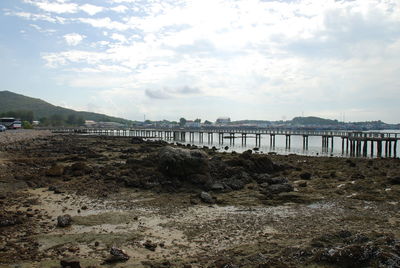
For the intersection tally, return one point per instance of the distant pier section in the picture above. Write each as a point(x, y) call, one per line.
point(353, 143)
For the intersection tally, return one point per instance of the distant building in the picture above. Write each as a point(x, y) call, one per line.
point(90, 123)
point(223, 120)
point(192, 124)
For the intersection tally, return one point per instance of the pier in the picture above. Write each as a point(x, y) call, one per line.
point(353, 143)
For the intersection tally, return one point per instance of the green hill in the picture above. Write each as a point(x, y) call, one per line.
point(10, 101)
point(312, 120)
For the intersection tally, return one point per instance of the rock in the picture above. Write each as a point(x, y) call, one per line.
point(226, 148)
point(247, 154)
point(302, 183)
point(55, 171)
point(262, 178)
point(194, 201)
point(234, 183)
point(117, 255)
point(137, 140)
point(217, 186)
point(200, 179)
point(55, 189)
point(8, 221)
point(263, 164)
point(349, 256)
point(350, 163)
point(394, 180)
point(79, 169)
point(266, 178)
point(64, 221)
point(150, 246)
point(70, 263)
point(279, 188)
point(206, 198)
point(305, 175)
point(177, 162)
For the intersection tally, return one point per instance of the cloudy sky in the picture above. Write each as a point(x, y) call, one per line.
point(244, 59)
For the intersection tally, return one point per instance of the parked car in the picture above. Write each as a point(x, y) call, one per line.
point(2, 128)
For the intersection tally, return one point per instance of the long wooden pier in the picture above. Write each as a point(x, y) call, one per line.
point(354, 143)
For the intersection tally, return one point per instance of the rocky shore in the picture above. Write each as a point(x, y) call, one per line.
point(80, 201)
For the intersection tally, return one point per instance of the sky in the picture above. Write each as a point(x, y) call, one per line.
point(243, 59)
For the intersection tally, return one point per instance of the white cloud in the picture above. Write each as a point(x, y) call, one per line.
point(73, 39)
point(119, 37)
point(58, 7)
point(36, 17)
point(119, 9)
point(91, 9)
point(106, 23)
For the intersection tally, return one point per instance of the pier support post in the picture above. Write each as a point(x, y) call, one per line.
point(305, 142)
point(379, 144)
point(231, 138)
point(342, 145)
point(386, 148)
point(287, 141)
point(372, 148)
point(365, 148)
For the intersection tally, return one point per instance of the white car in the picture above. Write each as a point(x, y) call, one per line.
point(2, 128)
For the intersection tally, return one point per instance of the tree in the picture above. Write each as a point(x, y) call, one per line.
point(71, 119)
point(57, 120)
point(198, 120)
point(182, 122)
point(207, 122)
point(24, 115)
point(26, 125)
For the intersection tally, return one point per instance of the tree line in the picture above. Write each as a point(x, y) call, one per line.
point(53, 120)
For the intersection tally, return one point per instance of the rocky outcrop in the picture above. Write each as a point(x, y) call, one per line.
point(177, 162)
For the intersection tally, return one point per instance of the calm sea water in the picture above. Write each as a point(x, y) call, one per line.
point(314, 145)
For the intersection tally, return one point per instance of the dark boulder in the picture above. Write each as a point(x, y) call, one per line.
point(79, 169)
point(207, 198)
point(349, 256)
point(263, 164)
point(117, 255)
point(55, 171)
point(177, 162)
point(305, 175)
point(150, 245)
point(394, 180)
point(266, 178)
point(137, 140)
point(70, 263)
point(64, 221)
point(279, 188)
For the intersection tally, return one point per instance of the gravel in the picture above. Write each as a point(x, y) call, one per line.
point(11, 136)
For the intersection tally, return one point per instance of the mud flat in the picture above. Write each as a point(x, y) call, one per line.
point(181, 206)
